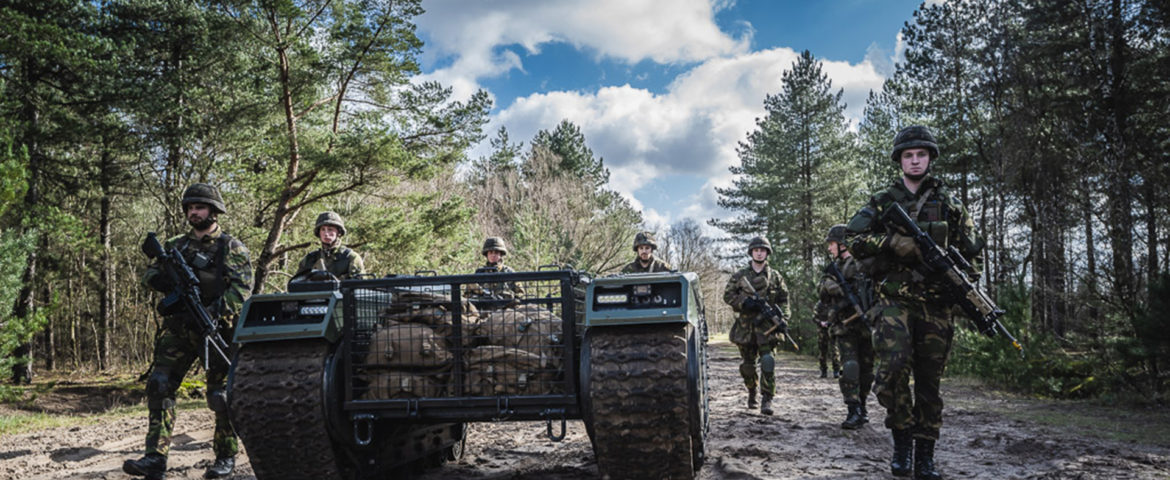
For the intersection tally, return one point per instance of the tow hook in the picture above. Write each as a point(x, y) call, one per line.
point(363, 423)
point(549, 423)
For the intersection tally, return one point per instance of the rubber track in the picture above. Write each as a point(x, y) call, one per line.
point(277, 410)
point(638, 389)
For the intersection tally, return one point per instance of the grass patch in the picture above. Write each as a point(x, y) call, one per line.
point(1120, 424)
point(1125, 420)
point(70, 399)
point(16, 422)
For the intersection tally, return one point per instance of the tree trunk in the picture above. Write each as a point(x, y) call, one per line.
point(105, 306)
point(49, 336)
point(1092, 312)
point(282, 212)
point(1120, 188)
point(1151, 200)
point(30, 116)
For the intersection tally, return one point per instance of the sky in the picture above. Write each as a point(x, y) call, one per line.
point(663, 90)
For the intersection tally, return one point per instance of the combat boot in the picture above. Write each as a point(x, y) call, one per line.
point(864, 413)
point(854, 419)
point(766, 404)
point(222, 467)
point(824, 372)
point(152, 466)
point(924, 460)
point(902, 463)
point(837, 373)
point(752, 399)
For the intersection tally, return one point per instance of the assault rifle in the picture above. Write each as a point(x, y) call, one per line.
point(770, 313)
point(186, 296)
point(858, 308)
point(950, 263)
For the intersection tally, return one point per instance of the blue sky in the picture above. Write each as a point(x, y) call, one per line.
point(662, 89)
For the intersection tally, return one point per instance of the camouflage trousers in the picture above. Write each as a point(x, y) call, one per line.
point(177, 348)
point(828, 349)
point(912, 338)
point(855, 344)
point(750, 355)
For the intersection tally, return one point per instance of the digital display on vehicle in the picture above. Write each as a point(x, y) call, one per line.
point(653, 295)
point(272, 313)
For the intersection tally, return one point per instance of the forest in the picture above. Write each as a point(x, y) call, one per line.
point(1050, 116)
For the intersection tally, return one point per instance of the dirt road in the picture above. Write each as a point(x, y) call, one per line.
point(986, 435)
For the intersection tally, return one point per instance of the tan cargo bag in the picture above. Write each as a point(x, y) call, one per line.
point(409, 345)
point(495, 370)
point(390, 384)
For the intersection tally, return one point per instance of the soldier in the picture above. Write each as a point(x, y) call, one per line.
point(850, 332)
point(912, 326)
point(340, 261)
point(225, 275)
point(828, 353)
point(494, 250)
point(767, 286)
point(646, 262)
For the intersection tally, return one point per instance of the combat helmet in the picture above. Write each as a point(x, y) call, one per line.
point(759, 242)
point(204, 193)
point(494, 243)
point(645, 238)
point(329, 218)
point(836, 233)
point(914, 136)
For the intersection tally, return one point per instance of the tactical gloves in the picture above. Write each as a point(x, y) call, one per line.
point(160, 282)
point(752, 305)
point(903, 246)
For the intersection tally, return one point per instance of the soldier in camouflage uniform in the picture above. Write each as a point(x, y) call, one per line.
point(912, 326)
point(748, 331)
point(225, 274)
point(332, 257)
point(850, 332)
point(494, 250)
point(827, 349)
point(646, 262)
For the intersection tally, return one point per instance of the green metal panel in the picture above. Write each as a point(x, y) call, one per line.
point(288, 316)
point(685, 311)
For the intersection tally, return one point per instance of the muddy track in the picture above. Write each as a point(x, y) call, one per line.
point(985, 435)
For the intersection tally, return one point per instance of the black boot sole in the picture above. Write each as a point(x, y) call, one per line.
point(130, 468)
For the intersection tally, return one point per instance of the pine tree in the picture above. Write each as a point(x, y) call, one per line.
point(799, 169)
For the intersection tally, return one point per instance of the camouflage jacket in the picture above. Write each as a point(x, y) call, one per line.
point(497, 289)
point(832, 307)
point(938, 213)
point(749, 327)
point(342, 262)
point(222, 265)
point(656, 265)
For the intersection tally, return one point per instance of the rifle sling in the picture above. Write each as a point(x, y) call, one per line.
point(921, 201)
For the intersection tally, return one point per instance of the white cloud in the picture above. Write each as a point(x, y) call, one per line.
point(664, 31)
point(690, 129)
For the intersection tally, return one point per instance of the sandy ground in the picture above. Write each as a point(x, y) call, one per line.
point(986, 435)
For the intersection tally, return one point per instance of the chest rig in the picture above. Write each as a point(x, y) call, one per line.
point(207, 258)
point(930, 210)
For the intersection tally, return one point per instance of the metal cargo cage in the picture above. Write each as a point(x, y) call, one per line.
point(488, 346)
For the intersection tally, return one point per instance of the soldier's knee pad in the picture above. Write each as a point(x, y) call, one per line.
point(767, 363)
point(217, 401)
point(159, 392)
point(851, 370)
